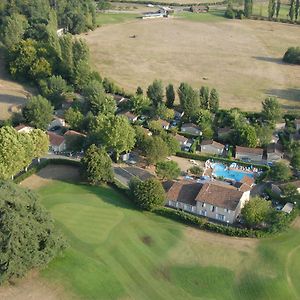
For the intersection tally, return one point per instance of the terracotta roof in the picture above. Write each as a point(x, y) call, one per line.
point(248, 180)
point(74, 133)
point(190, 125)
point(274, 147)
point(163, 122)
point(243, 187)
point(246, 150)
point(184, 191)
point(55, 139)
point(129, 115)
point(22, 126)
point(180, 138)
point(212, 143)
point(225, 196)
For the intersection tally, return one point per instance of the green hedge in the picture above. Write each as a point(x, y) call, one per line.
point(221, 159)
point(171, 4)
point(34, 169)
point(203, 223)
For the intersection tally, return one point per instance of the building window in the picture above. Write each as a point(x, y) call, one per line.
point(226, 210)
point(203, 204)
point(212, 208)
point(220, 217)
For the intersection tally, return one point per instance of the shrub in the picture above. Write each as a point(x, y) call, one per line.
point(292, 55)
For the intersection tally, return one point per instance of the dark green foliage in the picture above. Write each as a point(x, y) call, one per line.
point(155, 92)
point(278, 5)
point(292, 10)
point(292, 55)
point(280, 172)
point(204, 97)
point(28, 238)
point(189, 99)
point(139, 91)
point(214, 101)
point(38, 112)
point(245, 135)
point(54, 89)
point(74, 118)
point(167, 170)
point(172, 144)
point(271, 8)
point(147, 194)
point(170, 95)
point(97, 166)
point(195, 170)
point(256, 212)
point(248, 6)
point(156, 150)
point(295, 161)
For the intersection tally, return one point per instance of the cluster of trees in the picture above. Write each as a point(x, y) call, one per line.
point(259, 213)
point(292, 55)
point(28, 238)
point(19, 149)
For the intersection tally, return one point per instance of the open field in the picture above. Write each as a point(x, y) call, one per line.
point(117, 252)
point(242, 59)
point(113, 18)
point(12, 94)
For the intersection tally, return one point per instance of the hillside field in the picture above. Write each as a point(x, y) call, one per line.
point(12, 94)
point(117, 252)
point(241, 59)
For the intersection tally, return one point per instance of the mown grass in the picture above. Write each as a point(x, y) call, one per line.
point(117, 252)
point(114, 18)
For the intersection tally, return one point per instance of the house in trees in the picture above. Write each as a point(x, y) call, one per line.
point(249, 154)
point(199, 9)
point(212, 147)
point(57, 122)
point(130, 116)
point(23, 128)
point(184, 142)
point(74, 140)
point(216, 201)
point(57, 142)
point(120, 99)
point(164, 124)
point(274, 152)
point(147, 131)
point(191, 128)
point(178, 113)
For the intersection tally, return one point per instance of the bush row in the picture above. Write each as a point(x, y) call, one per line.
point(221, 159)
point(171, 4)
point(204, 224)
point(262, 18)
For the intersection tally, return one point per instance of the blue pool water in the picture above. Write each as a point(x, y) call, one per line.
point(220, 170)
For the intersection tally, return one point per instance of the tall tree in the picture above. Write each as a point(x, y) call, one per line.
point(167, 170)
point(213, 101)
point(248, 7)
point(28, 237)
point(139, 91)
point(204, 97)
point(280, 172)
point(271, 111)
point(189, 99)
point(147, 194)
point(155, 92)
point(170, 95)
point(271, 8)
point(138, 103)
point(156, 150)
point(297, 9)
point(278, 5)
point(97, 166)
point(38, 112)
point(292, 10)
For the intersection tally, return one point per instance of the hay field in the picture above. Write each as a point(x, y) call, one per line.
point(242, 59)
point(12, 94)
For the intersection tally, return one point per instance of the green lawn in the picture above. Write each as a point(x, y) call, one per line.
point(117, 252)
point(114, 18)
point(261, 9)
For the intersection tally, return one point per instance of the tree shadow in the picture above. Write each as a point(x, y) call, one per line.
point(269, 59)
point(291, 94)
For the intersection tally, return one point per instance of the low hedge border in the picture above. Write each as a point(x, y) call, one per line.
point(221, 159)
point(204, 224)
point(44, 163)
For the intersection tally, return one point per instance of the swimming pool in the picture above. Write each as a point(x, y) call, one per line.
point(220, 170)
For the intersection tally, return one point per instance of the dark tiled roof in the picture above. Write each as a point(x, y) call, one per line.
point(224, 196)
point(192, 125)
point(246, 150)
point(74, 133)
point(55, 139)
point(184, 191)
point(180, 138)
point(212, 143)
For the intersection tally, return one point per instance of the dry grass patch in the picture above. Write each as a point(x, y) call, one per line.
point(242, 59)
point(50, 173)
point(12, 94)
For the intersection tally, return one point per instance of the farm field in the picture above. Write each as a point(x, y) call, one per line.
point(117, 252)
point(12, 94)
point(113, 18)
point(241, 59)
